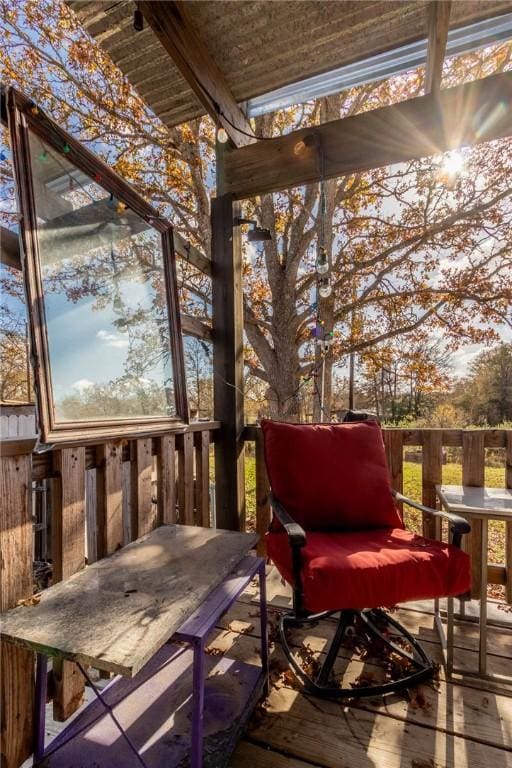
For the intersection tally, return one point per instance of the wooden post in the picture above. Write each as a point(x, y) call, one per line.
point(432, 475)
point(228, 359)
point(473, 473)
point(68, 554)
point(16, 664)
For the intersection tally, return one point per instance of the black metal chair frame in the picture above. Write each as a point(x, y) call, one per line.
point(373, 619)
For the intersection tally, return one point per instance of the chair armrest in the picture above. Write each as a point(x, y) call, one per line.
point(458, 525)
point(294, 531)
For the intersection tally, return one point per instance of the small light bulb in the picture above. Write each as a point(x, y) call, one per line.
point(322, 267)
point(299, 148)
point(222, 136)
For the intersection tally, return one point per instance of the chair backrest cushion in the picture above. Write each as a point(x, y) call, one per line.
point(330, 476)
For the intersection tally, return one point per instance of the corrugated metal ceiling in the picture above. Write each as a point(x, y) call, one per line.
point(260, 46)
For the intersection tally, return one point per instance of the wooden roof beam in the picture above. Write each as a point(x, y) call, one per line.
point(438, 12)
point(171, 24)
point(427, 125)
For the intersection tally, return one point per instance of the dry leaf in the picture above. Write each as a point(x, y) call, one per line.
point(212, 651)
point(29, 601)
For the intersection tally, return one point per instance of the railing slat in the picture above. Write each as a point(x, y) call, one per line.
point(143, 516)
point(393, 440)
point(16, 664)
point(68, 555)
point(186, 478)
point(166, 479)
point(473, 473)
point(109, 498)
point(431, 475)
point(202, 457)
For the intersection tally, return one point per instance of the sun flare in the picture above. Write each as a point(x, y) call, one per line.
point(453, 163)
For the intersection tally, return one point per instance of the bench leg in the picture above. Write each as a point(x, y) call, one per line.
point(198, 705)
point(40, 706)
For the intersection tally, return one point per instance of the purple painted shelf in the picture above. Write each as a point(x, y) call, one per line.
point(184, 707)
point(155, 710)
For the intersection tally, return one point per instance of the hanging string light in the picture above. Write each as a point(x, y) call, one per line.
point(324, 287)
point(222, 135)
point(322, 264)
point(322, 261)
point(323, 339)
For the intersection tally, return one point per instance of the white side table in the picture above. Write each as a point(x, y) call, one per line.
point(484, 504)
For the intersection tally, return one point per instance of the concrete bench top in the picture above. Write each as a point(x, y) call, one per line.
point(115, 614)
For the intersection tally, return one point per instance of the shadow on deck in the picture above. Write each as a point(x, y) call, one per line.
point(465, 723)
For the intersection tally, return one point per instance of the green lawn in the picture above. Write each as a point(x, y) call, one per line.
point(452, 475)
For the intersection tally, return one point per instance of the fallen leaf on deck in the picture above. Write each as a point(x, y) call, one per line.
point(29, 601)
point(212, 651)
point(417, 699)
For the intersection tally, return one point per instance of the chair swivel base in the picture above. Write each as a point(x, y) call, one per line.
point(375, 624)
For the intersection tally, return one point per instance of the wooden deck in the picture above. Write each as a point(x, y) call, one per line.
point(466, 723)
point(462, 724)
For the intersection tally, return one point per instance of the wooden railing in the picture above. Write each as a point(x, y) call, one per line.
point(472, 445)
point(102, 496)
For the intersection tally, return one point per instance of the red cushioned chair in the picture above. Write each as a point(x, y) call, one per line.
point(338, 538)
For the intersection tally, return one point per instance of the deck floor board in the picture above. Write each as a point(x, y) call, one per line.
point(463, 723)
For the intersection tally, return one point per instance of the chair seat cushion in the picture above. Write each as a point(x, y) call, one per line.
point(370, 569)
point(330, 476)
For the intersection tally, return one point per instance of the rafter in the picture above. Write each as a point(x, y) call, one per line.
point(438, 25)
point(427, 125)
point(171, 23)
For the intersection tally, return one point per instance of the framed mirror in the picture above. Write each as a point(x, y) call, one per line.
point(99, 268)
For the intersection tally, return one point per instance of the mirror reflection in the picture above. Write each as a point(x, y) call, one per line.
point(104, 296)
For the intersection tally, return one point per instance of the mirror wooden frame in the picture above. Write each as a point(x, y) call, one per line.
point(25, 116)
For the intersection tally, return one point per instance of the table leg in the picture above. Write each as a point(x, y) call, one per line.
point(198, 705)
point(263, 624)
point(449, 636)
point(482, 651)
point(40, 706)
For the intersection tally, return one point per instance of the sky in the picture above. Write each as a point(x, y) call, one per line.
point(106, 347)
